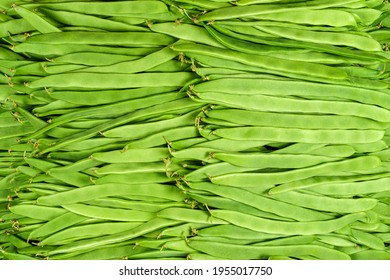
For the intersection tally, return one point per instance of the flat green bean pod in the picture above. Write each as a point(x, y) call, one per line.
point(268, 179)
point(290, 228)
point(246, 252)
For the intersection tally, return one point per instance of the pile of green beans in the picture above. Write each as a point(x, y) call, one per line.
point(186, 130)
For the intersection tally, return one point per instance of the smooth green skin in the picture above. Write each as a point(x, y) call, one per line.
point(294, 88)
point(136, 178)
point(367, 239)
point(267, 179)
point(254, 10)
point(164, 137)
point(81, 19)
point(189, 215)
point(83, 194)
point(129, 168)
point(288, 228)
point(220, 202)
point(258, 160)
point(133, 155)
point(287, 104)
point(108, 253)
point(87, 231)
point(322, 180)
point(184, 230)
point(123, 111)
point(39, 212)
point(106, 213)
point(119, 8)
point(246, 252)
point(150, 226)
point(197, 153)
point(112, 81)
point(277, 134)
point(275, 64)
point(231, 145)
point(185, 31)
point(45, 50)
point(353, 188)
point(104, 38)
point(55, 225)
point(36, 21)
point(141, 130)
point(235, 40)
point(146, 206)
point(327, 204)
point(92, 59)
point(76, 179)
point(369, 254)
point(99, 97)
point(144, 63)
point(14, 26)
point(214, 169)
point(329, 17)
point(234, 232)
point(177, 106)
point(263, 203)
point(332, 38)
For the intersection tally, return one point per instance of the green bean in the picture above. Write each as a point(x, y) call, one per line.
point(133, 205)
point(322, 203)
point(35, 20)
point(282, 42)
point(80, 19)
point(290, 228)
point(353, 188)
point(230, 251)
point(133, 155)
point(136, 131)
point(119, 8)
point(254, 10)
point(87, 231)
point(283, 66)
point(108, 253)
point(110, 81)
point(107, 96)
point(135, 178)
point(263, 203)
point(189, 215)
point(134, 66)
point(215, 169)
point(332, 38)
point(294, 88)
point(56, 224)
point(277, 134)
point(234, 205)
point(51, 51)
point(104, 38)
point(109, 213)
point(186, 32)
point(164, 137)
point(369, 254)
point(367, 239)
point(112, 189)
point(336, 18)
point(128, 168)
point(149, 226)
point(271, 160)
point(37, 212)
point(14, 26)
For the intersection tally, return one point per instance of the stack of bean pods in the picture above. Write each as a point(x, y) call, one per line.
point(248, 129)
